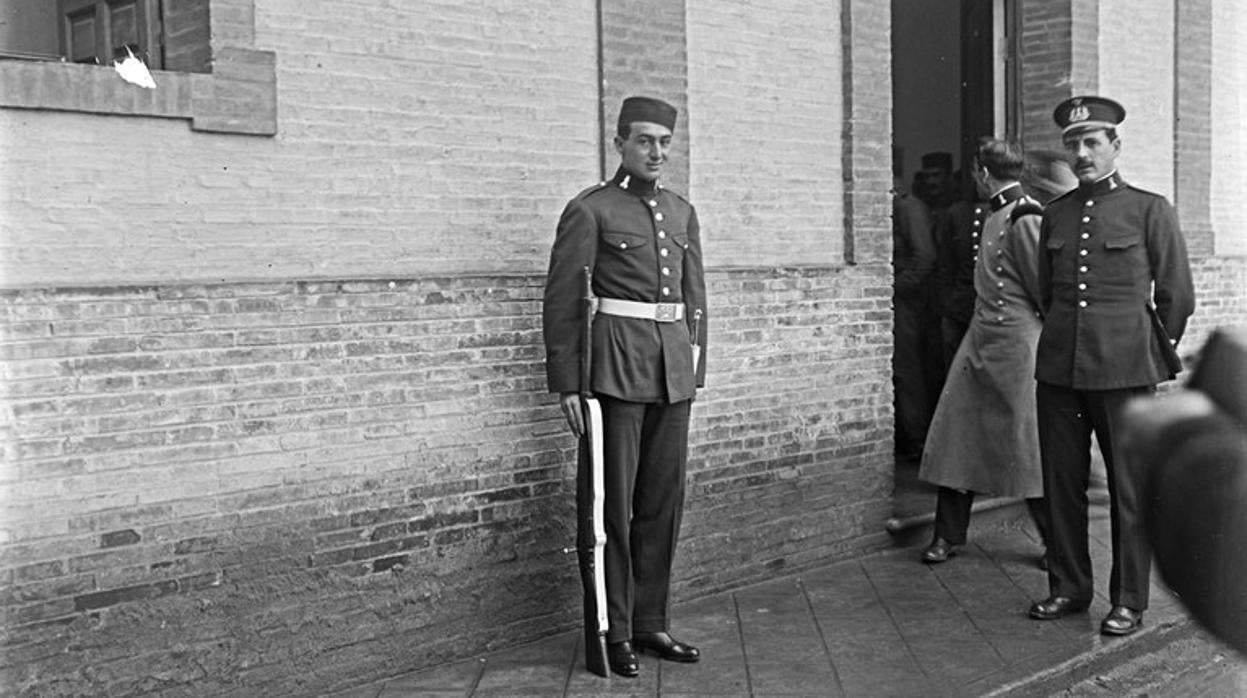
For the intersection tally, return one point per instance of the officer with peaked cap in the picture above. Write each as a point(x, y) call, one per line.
point(1116, 294)
point(642, 243)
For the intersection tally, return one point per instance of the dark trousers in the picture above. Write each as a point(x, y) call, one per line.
point(952, 515)
point(646, 452)
point(952, 331)
point(909, 373)
point(1067, 418)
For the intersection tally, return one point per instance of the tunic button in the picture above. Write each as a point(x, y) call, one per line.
point(663, 252)
point(666, 271)
point(975, 235)
point(1082, 252)
point(999, 269)
point(666, 291)
point(975, 246)
point(977, 223)
point(1086, 219)
point(658, 216)
point(653, 203)
point(623, 245)
point(1086, 235)
point(978, 209)
point(1000, 303)
point(662, 235)
point(1089, 203)
point(1082, 287)
point(1000, 319)
point(1000, 253)
point(1082, 269)
point(1082, 304)
point(1000, 284)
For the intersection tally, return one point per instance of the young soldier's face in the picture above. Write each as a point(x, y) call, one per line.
point(645, 150)
point(1091, 153)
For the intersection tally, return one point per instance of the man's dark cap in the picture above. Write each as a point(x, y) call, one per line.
point(1088, 113)
point(646, 109)
point(943, 161)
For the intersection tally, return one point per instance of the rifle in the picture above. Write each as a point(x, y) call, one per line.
point(591, 501)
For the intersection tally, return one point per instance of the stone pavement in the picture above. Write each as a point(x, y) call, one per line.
point(881, 625)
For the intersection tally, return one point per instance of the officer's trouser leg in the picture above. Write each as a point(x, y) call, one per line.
point(1038, 508)
point(1065, 455)
point(952, 514)
point(1132, 561)
point(646, 452)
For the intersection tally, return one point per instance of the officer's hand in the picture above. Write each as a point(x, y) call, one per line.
point(573, 412)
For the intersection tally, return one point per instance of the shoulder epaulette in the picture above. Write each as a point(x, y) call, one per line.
point(677, 195)
point(1025, 206)
point(591, 190)
point(1061, 197)
point(1144, 191)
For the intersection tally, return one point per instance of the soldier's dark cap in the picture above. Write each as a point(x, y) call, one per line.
point(938, 161)
point(1088, 112)
point(646, 109)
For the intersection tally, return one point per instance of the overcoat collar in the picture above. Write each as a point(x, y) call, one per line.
point(1006, 196)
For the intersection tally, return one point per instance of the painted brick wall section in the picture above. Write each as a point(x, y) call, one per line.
point(289, 487)
point(765, 127)
point(421, 137)
point(643, 53)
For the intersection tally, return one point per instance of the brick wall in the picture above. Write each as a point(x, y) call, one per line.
point(285, 488)
point(765, 97)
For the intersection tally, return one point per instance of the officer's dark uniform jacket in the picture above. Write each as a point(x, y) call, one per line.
point(1104, 243)
point(642, 243)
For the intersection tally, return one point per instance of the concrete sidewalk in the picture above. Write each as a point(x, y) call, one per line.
point(882, 625)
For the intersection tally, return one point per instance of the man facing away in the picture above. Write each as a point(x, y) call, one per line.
point(642, 244)
point(982, 436)
point(1110, 252)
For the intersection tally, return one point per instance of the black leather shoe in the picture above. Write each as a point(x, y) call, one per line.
point(666, 647)
point(622, 659)
point(1121, 621)
point(1042, 563)
point(1055, 607)
point(939, 551)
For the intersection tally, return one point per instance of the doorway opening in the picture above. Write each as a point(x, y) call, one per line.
point(953, 81)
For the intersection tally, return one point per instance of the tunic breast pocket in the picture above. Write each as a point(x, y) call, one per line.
point(1122, 253)
point(624, 243)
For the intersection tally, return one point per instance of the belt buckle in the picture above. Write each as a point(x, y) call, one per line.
point(664, 312)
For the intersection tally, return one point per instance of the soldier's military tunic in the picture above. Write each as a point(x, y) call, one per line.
point(643, 244)
point(1108, 248)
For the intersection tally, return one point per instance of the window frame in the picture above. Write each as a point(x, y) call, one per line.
point(238, 96)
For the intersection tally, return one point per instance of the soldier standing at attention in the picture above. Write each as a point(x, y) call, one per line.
point(642, 244)
point(1110, 252)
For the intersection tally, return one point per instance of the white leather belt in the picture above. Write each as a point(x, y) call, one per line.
point(660, 312)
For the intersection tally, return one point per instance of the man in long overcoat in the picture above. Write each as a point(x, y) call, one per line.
point(1117, 293)
point(983, 437)
point(642, 244)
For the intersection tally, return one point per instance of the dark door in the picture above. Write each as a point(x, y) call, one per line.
point(978, 97)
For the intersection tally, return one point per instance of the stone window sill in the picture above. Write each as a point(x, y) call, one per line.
point(238, 96)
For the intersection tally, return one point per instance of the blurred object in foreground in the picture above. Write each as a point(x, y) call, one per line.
point(1192, 448)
